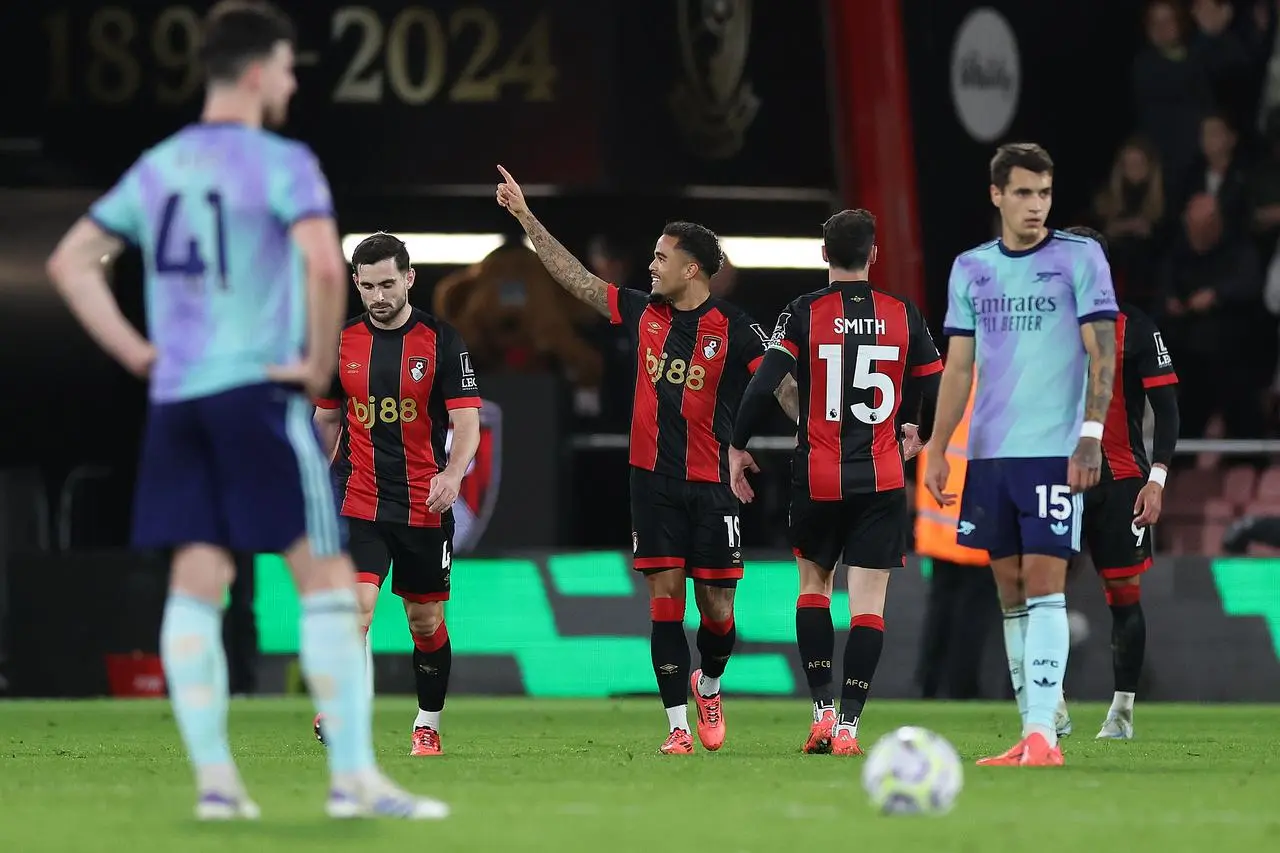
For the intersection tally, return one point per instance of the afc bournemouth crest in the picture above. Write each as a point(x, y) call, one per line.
point(417, 367)
point(479, 493)
point(711, 346)
point(714, 103)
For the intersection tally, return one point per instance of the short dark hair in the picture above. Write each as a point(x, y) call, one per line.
point(848, 237)
point(1019, 155)
point(698, 241)
point(1095, 236)
point(378, 247)
point(237, 32)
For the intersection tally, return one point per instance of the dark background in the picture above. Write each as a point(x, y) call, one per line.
point(581, 110)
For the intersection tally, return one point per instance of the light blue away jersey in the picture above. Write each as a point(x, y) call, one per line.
point(1024, 309)
point(211, 208)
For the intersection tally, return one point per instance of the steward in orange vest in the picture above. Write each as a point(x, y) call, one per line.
point(935, 525)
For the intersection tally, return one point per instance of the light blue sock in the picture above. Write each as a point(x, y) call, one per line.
point(195, 668)
point(1045, 663)
point(333, 662)
point(1015, 638)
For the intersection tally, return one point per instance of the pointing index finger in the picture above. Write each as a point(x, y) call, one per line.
point(506, 175)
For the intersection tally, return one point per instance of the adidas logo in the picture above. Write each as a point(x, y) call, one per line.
point(1058, 528)
point(1044, 682)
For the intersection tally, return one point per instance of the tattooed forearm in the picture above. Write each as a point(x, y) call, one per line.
point(1102, 368)
point(567, 270)
point(788, 394)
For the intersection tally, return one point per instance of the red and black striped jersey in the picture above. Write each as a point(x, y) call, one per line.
point(398, 387)
point(1142, 362)
point(854, 347)
point(691, 370)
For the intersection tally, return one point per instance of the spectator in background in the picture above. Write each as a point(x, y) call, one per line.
point(1130, 211)
point(1212, 286)
point(1264, 190)
point(1268, 33)
point(1264, 187)
point(1231, 55)
point(1219, 172)
point(1171, 90)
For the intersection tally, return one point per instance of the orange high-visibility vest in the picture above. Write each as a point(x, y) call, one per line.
point(935, 525)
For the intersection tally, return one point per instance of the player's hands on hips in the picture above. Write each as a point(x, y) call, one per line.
point(1085, 466)
point(510, 195)
point(936, 474)
point(139, 363)
point(443, 491)
point(1146, 509)
point(911, 443)
point(312, 377)
point(740, 462)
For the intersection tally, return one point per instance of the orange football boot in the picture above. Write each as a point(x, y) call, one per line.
point(1038, 753)
point(1010, 758)
point(710, 716)
point(819, 742)
point(679, 742)
point(426, 741)
point(845, 742)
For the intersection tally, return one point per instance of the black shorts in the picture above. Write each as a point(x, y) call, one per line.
point(423, 556)
point(866, 530)
point(1119, 549)
point(676, 524)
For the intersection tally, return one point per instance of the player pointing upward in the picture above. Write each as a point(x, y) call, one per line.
point(243, 274)
point(1031, 310)
point(695, 354)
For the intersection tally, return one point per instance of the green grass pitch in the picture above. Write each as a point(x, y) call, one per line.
point(535, 775)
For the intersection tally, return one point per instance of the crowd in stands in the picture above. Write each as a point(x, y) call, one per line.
point(1192, 207)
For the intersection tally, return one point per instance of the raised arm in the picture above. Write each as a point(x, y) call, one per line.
point(567, 270)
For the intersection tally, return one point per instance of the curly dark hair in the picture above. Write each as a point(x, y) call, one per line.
point(699, 242)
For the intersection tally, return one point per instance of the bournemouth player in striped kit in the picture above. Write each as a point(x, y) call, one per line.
point(404, 377)
point(1121, 510)
point(694, 357)
point(862, 359)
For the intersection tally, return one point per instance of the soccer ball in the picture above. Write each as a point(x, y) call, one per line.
point(912, 771)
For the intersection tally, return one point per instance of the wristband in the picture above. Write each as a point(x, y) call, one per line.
point(1158, 475)
point(1091, 429)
